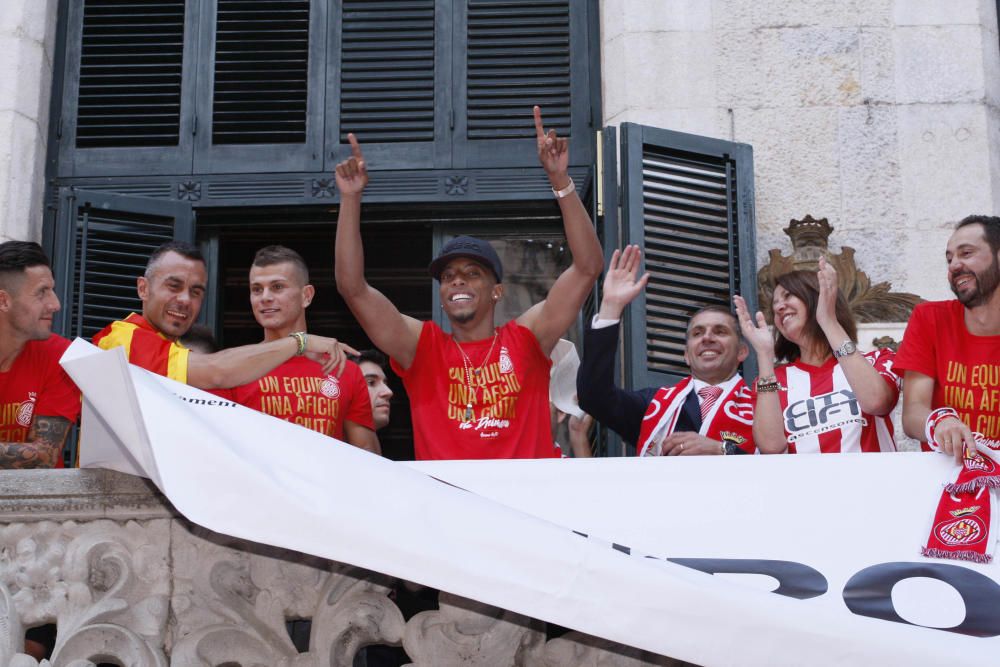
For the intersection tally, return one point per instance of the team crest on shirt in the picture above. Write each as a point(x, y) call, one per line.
point(26, 410)
point(961, 532)
point(330, 387)
point(506, 365)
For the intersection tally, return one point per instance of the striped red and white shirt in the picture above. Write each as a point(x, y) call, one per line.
point(821, 414)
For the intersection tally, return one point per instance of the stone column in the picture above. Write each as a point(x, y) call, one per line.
point(27, 46)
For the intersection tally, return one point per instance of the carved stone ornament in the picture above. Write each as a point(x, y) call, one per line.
point(810, 240)
point(103, 584)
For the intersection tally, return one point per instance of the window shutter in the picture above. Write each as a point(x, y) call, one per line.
point(125, 87)
point(688, 202)
point(391, 83)
point(261, 72)
point(518, 54)
point(261, 102)
point(102, 246)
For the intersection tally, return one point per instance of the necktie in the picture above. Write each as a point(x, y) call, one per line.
point(709, 395)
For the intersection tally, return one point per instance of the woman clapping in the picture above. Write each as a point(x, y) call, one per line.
point(825, 396)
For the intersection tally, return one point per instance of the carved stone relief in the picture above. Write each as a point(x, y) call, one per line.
point(103, 584)
point(232, 600)
point(810, 240)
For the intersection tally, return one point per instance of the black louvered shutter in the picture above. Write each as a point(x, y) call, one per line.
point(390, 79)
point(260, 96)
point(125, 88)
point(688, 202)
point(518, 54)
point(102, 246)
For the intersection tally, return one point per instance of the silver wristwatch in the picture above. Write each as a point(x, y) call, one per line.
point(846, 348)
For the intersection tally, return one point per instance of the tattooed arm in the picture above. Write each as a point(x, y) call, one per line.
point(43, 447)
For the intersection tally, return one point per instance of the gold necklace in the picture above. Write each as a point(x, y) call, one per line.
point(469, 370)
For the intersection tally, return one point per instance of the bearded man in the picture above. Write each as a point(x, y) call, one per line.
point(951, 349)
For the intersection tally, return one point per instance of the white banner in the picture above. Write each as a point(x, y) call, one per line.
point(581, 543)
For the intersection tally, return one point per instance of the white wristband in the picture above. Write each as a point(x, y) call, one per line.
point(566, 191)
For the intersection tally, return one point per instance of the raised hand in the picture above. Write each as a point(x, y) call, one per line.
point(553, 153)
point(621, 283)
point(352, 173)
point(826, 305)
point(754, 330)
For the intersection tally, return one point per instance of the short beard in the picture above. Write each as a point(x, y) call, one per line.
point(462, 318)
point(987, 283)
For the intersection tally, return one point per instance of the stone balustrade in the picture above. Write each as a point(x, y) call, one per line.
point(127, 581)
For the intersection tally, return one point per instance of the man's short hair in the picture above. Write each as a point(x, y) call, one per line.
point(182, 248)
point(200, 339)
point(15, 257)
point(373, 356)
point(279, 254)
point(714, 308)
point(991, 228)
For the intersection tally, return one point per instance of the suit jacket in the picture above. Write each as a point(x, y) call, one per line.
point(619, 409)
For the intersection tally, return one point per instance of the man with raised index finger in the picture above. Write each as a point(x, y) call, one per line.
point(482, 390)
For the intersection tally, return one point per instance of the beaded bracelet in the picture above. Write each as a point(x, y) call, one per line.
point(933, 419)
point(300, 339)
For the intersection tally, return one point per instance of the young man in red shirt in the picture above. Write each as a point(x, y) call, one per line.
point(172, 290)
point(951, 349)
point(298, 390)
point(38, 401)
point(481, 391)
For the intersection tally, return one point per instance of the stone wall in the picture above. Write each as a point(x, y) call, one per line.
point(881, 115)
point(27, 44)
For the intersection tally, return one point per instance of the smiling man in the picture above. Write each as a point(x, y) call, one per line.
point(481, 391)
point(951, 349)
point(298, 390)
point(708, 412)
point(38, 401)
point(172, 290)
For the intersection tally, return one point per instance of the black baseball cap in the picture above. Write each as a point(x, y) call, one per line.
point(471, 247)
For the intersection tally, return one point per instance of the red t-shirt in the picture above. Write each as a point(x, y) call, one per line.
point(36, 385)
point(509, 396)
point(299, 392)
point(965, 368)
point(821, 414)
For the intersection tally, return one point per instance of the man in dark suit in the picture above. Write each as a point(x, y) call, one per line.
point(708, 412)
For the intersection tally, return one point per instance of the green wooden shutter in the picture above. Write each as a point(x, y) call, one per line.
point(126, 88)
point(517, 54)
point(688, 202)
point(390, 74)
point(260, 88)
point(103, 242)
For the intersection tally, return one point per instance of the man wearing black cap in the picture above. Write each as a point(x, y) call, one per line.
point(482, 391)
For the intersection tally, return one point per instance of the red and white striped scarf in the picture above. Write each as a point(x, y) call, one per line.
point(731, 415)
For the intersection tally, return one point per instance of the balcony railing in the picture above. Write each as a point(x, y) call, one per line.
point(125, 580)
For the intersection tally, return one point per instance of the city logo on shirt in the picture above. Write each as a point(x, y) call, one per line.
point(506, 365)
point(330, 387)
point(26, 410)
point(823, 413)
